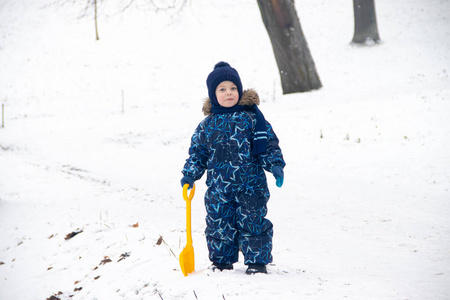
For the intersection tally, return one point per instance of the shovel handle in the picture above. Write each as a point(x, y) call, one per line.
point(191, 194)
point(188, 212)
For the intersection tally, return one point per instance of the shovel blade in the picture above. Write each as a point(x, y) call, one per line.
point(187, 260)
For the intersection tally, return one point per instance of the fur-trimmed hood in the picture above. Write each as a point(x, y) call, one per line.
point(249, 97)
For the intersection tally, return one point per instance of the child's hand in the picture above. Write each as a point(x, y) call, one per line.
point(278, 173)
point(188, 180)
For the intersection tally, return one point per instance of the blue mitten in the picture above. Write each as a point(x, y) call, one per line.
point(278, 173)
point(188, 180)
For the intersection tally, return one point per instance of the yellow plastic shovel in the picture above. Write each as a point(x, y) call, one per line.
point(187, 260)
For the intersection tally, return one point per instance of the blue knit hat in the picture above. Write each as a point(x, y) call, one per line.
point(222, 72)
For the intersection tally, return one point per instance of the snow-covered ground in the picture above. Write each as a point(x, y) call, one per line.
point(96, 134)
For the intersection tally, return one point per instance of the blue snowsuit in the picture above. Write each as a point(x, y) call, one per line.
point(237, 188)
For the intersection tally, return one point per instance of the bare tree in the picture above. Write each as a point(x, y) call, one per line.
point(96, 27)
point(366, 29)
point(166, 5)
point(86, 10)
point(295, 64)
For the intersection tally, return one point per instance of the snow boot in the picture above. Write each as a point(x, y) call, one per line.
point(221, 266)
point(256, 268)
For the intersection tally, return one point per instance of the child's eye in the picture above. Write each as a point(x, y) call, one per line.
point(234, 88)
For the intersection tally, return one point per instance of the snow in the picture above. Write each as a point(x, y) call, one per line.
point(363, 212)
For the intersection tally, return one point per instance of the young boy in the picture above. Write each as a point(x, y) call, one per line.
point(235, 144)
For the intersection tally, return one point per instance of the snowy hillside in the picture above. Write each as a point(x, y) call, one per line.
point(96, 133)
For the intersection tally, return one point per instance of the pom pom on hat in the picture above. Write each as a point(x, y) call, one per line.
point(222, 72)
point(221, 64)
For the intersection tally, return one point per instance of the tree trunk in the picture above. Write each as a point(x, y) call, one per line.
point(366, 30)
point(96, 28)
point(295, 64)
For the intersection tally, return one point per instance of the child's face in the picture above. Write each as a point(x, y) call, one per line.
point(227, 94)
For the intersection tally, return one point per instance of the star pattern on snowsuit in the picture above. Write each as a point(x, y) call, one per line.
point(237, 195)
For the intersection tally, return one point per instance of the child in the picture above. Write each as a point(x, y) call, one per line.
point(235, 144)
